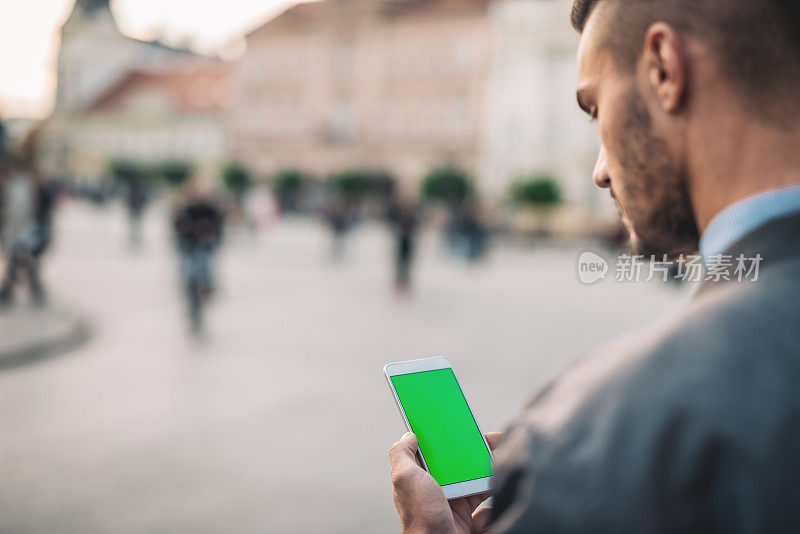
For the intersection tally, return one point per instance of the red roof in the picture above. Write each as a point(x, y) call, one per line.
point(191, 88)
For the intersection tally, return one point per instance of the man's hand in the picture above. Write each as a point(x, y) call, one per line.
point(420, 501)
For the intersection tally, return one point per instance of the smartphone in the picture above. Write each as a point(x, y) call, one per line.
point(433, 406)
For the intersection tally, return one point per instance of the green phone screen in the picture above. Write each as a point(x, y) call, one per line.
point(448, 435)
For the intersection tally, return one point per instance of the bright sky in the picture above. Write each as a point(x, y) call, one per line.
point(29, 33)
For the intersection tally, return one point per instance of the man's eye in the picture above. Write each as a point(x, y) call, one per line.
point(592, 114)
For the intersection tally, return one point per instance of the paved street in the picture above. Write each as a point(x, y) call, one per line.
point(279, 419)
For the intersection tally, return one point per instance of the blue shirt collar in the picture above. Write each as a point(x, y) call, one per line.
point(741, 218)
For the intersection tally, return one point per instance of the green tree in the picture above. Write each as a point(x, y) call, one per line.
point(536, 191)
point(236, 179)
point(450, 185)
point(173, 173)
point(289, 185)
point(289, 182)
point(126, 171)
point(351, 185)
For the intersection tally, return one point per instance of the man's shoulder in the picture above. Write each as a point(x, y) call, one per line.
point(639, 415)
point(738, 343)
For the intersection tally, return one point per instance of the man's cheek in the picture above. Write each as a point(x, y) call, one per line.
point(617, 176)
point(613, 145)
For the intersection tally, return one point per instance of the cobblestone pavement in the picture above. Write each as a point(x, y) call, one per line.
point(279, 419)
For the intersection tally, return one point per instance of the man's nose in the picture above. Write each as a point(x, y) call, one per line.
point(600, 175)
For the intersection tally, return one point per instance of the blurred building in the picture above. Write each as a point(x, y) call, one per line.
point(123, 98)
point(533, 124)
point(13, 131)
point(155, 115)
point(332, 85)
point(409, 85)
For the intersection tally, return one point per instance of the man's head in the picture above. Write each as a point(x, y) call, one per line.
point(654, 72)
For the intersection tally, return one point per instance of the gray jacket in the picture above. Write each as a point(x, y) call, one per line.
point(690, 426)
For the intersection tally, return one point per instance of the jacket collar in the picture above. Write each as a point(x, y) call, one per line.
point(775, 242)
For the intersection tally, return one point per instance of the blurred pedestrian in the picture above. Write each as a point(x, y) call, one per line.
point(3, 140)
point(135, 201)
point(405, 220)
point(261, 209)
point(198, 226)
point(339, 222)
point(5, 173)
point(466, 235)
point(27, 202)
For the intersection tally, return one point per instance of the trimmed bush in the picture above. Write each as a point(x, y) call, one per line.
point(173, 173)
point(450, 185)
point(351, 185)
point(536, 191)
point(357, 184)
point(289, 185)
point(235, 178)
point(289, 182)
point(126, 171)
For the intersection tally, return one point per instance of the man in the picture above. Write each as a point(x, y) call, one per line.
point(403, 215)
point(692, 425)
point(198, 224)
point(339, 217)
point(2, 141)
point(135, 201)
point(26, 209)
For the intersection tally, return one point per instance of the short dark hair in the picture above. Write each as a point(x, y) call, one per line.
point(757, 42)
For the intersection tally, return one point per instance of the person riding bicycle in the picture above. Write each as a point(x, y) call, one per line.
point(198, 225)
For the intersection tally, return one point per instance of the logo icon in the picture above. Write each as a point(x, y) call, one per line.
point(591, 268)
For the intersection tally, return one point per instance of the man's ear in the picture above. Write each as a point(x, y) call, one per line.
point(664, 59)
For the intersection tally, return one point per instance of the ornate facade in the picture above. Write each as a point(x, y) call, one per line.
point(122, 98)
point(408, 85)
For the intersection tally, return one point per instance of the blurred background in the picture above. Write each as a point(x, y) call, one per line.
point(219, 220)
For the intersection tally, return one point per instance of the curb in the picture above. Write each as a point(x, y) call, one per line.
point(43, 348)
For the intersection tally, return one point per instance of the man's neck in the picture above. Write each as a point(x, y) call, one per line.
point(737, 157)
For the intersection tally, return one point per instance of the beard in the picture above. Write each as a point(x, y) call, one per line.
point(657, 209)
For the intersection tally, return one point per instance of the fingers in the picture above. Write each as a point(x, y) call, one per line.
point(481, 519)
point(493, 439)
point(476, 500)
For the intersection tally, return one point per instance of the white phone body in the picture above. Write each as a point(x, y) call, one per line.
point(451, 491)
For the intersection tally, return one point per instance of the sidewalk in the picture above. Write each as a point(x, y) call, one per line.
point(29, 334)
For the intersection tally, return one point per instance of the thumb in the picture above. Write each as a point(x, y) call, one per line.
point(404, 452)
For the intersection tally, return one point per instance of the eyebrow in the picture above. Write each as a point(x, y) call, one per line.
point(582, 103)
